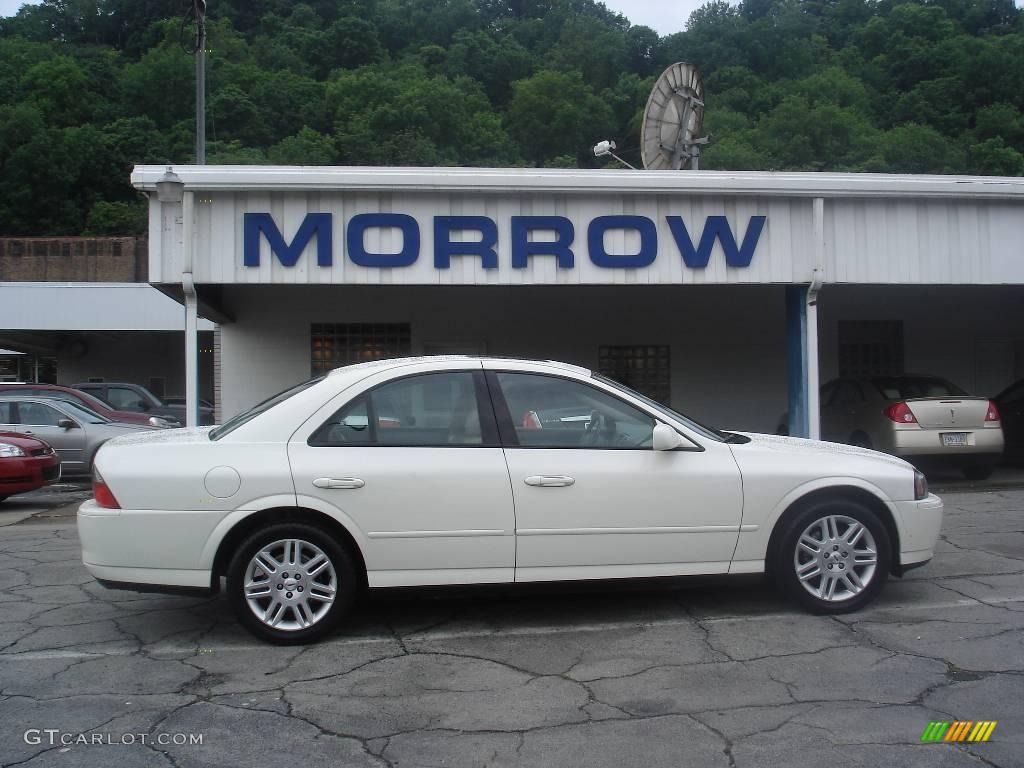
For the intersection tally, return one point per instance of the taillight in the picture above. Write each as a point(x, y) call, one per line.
point(993, 413)
point(102, 492)
point(900, 413)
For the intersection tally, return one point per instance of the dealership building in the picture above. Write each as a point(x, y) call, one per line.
point(729, 295)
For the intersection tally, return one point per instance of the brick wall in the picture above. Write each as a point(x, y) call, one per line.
point(74, 259)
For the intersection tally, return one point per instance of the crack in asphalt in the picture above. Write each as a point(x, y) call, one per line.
point(145, 627)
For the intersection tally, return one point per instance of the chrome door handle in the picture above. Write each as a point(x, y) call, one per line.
point(335, 483)
point(550, 481)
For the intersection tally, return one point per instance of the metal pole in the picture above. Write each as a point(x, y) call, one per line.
point(188, 289)
point(201, 85)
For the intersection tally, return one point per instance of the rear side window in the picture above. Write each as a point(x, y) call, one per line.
point(436, 409)
point(7, 413)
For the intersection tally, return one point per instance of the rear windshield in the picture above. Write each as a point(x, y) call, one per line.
point(903, 387)
point(231, 425)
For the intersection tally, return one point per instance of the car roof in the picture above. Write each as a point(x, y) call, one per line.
point(397, 362)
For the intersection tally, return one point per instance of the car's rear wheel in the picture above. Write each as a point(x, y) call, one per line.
point(978, 471)
point(291, 583)
point(835, 557)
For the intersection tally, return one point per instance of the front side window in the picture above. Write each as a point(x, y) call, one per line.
point(551, 412)
point(7, 413)
point(38, 415)
point(436, 409)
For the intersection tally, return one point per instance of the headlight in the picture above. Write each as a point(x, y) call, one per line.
point(920, 485)
point(10, 451)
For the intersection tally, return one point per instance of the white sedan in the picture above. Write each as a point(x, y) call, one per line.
point(458, 470)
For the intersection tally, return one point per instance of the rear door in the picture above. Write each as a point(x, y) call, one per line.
point(416, 465)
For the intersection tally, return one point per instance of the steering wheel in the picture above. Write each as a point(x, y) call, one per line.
point(597, 429)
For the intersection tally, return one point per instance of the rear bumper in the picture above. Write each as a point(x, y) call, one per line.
point(919, 524)
point(27, 474)
point(981, 442)
point(147, 548)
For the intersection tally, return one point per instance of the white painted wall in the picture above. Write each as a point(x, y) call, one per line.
point(728, 364)
point(727, 343)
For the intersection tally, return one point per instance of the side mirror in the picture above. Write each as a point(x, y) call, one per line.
point(66, 424)
point(666, 438)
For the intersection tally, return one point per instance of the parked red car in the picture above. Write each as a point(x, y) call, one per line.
point(26, 463)
point(90, 402)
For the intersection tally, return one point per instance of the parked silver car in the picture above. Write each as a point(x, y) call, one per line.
point(74, 431)
point(924, 419)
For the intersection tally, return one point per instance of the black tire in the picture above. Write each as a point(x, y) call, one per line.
point(860, 440)
point(978, 471)
point(348, 580)
point(785, 566)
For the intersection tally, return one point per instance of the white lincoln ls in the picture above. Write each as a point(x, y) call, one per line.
point(460, 470)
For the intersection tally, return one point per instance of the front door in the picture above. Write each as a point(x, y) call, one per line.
point(416, 465)
point(41, 420)
point(592, 497)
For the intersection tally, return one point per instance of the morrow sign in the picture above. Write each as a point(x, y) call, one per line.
point(484, 245)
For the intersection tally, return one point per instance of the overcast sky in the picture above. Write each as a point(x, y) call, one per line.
point(665, 16)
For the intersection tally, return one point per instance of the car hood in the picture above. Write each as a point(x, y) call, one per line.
point(163, 436)
point(24, 442)
point(819, 449)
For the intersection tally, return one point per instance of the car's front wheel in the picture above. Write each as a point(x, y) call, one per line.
point(291, 582)
point(835, 557)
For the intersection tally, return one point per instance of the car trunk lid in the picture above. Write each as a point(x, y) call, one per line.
point(949, 412)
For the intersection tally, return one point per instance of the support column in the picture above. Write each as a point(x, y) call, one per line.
point(191, 312)
point(802, 361)
point(796, 359)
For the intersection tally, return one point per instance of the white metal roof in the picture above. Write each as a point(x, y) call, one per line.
point(90, 307)
point(282, 178)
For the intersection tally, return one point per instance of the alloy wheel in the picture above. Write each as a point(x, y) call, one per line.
point(836, 558)
point(290, 584)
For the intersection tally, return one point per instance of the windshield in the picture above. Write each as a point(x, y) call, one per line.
point(708, 432)
point(904, 387)
point(80, 412)
point(234, 423)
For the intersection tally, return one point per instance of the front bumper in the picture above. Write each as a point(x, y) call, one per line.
point(23, 474)
point(919, 525)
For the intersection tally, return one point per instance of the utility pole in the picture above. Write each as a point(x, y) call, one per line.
point(199, 7)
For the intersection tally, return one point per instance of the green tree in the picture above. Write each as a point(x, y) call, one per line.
point(556, 113)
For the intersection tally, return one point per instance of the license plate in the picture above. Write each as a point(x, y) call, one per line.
point(954, 438)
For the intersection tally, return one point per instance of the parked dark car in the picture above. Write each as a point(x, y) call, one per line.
point(26, 463)
point(1011, 407)
point(135, 397)
point(88, 401)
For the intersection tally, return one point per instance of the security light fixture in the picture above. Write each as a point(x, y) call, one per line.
point(170, 188)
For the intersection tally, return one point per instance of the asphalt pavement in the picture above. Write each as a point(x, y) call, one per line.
point(696, 673)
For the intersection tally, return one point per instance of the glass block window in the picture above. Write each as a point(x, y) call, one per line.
point(643, 367)
point(870, 348)
point(338, 344)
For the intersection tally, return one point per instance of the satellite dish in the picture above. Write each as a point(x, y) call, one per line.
point(670, 135)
